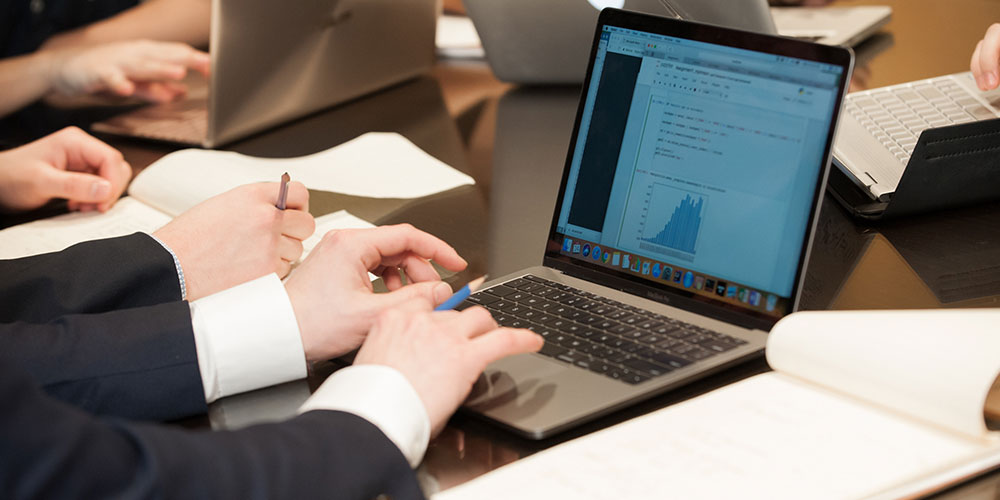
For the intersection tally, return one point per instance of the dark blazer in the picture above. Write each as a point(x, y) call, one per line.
point(100, 325)
point(92, 277)
point(52, 450)
point(24, 27)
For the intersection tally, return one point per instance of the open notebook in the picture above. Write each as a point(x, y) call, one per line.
point(882, 404)
point(375, 165)
point(128, 216)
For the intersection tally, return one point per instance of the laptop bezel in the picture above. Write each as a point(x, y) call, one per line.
point(635, 285)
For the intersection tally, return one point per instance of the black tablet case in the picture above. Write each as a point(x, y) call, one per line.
point(950, 167)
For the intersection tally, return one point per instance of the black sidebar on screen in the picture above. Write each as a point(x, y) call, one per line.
point(604, 140)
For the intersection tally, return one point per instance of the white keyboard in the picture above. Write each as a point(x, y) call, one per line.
point(897, 115)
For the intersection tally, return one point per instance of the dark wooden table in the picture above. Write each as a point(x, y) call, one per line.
point(513, 141)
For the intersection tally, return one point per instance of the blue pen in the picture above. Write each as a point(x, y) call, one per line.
point(462, 294)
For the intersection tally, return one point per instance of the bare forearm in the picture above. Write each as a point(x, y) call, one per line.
point(185, 21)
point(24, 80)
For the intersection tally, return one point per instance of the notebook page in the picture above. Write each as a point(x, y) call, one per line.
point(57, 233)
point(374, 165)
point(769, 436)
point(936, 365)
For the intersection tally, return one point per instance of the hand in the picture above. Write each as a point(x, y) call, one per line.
point(332, 294)
point(441, 353)
point(141, 68)
point(67, 164)
point(984, 64)
point(238, 236)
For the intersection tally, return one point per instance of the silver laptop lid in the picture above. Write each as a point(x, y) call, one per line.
point(275, 61)
point(696, 168)
point(749, 15)
point(543, 42)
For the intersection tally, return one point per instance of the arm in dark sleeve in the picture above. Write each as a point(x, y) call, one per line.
point(91, 277)
point(137, 363)
point(54, 451)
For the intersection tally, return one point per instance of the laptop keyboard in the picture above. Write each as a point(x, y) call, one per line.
point(897, 115)
point(604, 336)
point(183, 122)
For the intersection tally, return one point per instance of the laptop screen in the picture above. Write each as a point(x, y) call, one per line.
point(695, 167)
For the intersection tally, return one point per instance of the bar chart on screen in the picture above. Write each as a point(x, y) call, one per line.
point(672, 221)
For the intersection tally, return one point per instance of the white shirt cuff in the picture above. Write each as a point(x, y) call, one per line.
point(247, 337)
point(383, 396)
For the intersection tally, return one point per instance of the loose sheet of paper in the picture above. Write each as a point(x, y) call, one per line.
point(770, 436)
point(457, 38)
point(374, 165)
point(57, 233)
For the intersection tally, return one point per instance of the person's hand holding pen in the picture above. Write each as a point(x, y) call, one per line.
point(332, 294)
point(440, 353)
point(238, 236)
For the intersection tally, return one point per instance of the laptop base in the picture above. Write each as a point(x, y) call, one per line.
point(536, 396)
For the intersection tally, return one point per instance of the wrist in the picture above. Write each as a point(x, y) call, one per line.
point(51, 64)
point(300, 311)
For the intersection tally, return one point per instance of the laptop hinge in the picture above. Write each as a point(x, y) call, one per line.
point(655, 294)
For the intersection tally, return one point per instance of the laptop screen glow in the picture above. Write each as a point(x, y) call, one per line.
point(696, 165)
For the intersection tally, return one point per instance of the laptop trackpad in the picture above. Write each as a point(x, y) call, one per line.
point(524, 383)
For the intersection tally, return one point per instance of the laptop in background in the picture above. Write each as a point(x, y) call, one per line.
point(847, 26)
point(683, 222)
point(881, 127)
point(532, 42)
point(272, 63)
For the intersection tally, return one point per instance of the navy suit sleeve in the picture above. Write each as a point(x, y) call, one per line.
point(51, 450)
point(136, 363)
point(91, 277)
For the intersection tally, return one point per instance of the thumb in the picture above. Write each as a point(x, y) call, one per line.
point(423, 295)
point(78, 186)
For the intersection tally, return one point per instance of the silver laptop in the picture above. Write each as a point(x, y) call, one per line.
point(276, 61)
point(881, 126)
point(542, 42)
point(848, 26)
point(683, 222)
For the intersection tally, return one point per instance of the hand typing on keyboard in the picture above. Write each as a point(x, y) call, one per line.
point(145, 69)
point(136, 68)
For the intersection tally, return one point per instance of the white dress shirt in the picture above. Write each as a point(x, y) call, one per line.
point(247, 338)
